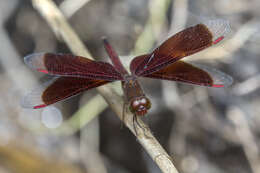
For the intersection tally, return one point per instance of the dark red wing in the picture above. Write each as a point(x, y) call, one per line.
point(193, 74)
point(184, 43)
point(73, 66)
point(58, 89)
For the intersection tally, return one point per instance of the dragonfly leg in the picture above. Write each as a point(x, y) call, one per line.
point(135, 121)
point(134, 125)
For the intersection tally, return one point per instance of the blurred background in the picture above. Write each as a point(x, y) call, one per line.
point(205, 130)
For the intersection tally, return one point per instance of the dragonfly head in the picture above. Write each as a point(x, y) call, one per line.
point(140, 105)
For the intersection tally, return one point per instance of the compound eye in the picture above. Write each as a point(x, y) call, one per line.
point(143, 101)
point(135, 103)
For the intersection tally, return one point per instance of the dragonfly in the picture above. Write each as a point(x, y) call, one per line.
point(75, 74)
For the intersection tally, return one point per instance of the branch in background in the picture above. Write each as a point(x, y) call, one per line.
point(61, 28)
point(179, 15)
point(245, 136)
point(70, 7)
point(153, 27)
point(20, 159)
point(10, 60)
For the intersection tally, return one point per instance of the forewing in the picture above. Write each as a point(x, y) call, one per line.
point(58, 89)
point(72, 66)
point(181, 71)
point(184, 43)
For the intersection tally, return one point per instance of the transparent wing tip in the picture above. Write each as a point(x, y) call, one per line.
point(219, 78)
point(35, 61)
point(219, 28)
point(33, 99)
